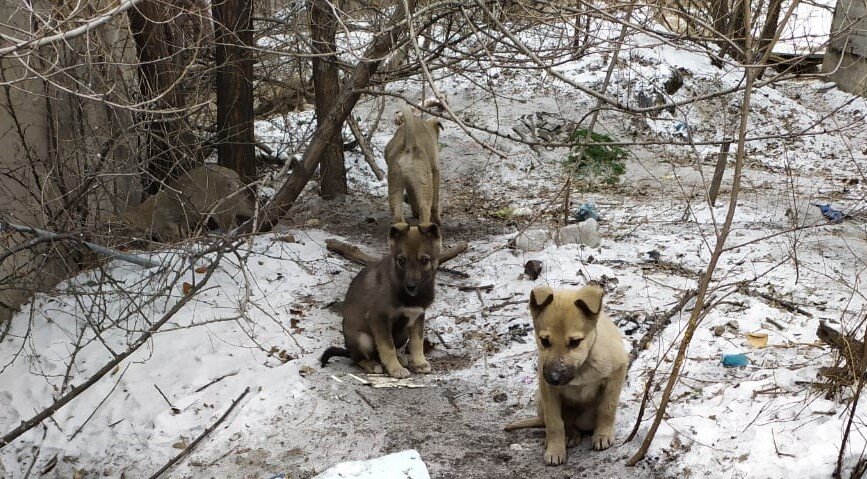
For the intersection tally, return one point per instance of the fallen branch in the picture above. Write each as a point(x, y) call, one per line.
point(215, 381)
point(454, 272)
point(204, 433)
point(354, 253)
point(104, 399)
point(351, 252)
point(644, 399)
point(143, 339)
point(47, 236)
point(659, 323)
point(775, 301)
point(366, 149)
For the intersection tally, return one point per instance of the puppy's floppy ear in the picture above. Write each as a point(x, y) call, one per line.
point(431, 230)
point(590, 300)
point(540, 297)
point(397, 231)
point(436, 125)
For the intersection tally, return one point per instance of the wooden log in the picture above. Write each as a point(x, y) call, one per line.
point(354, 253)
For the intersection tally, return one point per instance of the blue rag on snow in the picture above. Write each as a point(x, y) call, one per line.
point(735, 360)
point(831, 214)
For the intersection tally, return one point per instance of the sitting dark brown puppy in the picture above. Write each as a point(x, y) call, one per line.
point(385, 305)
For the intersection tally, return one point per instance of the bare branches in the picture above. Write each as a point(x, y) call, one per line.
point(199, 439)
point(707, 276)
point(43, 236)
point(331, 124)
point(108, 367)
point(70, 34)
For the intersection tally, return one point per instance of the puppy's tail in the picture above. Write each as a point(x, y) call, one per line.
point(408, 127)
point(525, 423)
point(331, 352)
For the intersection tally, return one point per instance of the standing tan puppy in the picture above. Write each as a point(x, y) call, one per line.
point(413, 164)
point(582, 367)
point(385, 305)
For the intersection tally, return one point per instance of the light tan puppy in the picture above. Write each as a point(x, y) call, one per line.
point(413, 164)
point(582, 367)
point(209, 195)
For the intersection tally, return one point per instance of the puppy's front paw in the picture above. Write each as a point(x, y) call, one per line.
point(371, 367)
point(554, 456)
point(420, 365)
point(602, 441)
point(398, 372)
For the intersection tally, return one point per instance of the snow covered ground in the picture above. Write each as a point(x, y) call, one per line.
point(269, 310)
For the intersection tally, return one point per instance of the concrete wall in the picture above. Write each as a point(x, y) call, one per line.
point(846, 56)
point(67, 155)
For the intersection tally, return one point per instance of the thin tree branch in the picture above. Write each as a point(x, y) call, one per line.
point(204, 433)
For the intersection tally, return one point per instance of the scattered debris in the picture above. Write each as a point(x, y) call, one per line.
point(585, 232)
point(654, 255)
point(585, 212)
point(830, 213)
point(286, 239)
point(850, 364)
point(531, 240)
point(378, 381)
point(734, 360)
point(757, 340)
point(533, 269)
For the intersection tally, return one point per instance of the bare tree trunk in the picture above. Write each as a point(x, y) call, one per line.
point(326, 87)
point(769, 31)
point(737, 28)
point(580, 35)
point(170, 142)
point(233, 29)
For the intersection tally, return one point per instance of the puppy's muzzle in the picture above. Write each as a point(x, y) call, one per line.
point(558, 374)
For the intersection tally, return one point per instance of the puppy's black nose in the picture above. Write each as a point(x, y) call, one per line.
point(411, 288)
point(557, 377)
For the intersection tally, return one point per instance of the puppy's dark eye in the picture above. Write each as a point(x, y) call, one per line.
point(401, 261)
point(424, 260)
point(573, 343)
point(546, 343)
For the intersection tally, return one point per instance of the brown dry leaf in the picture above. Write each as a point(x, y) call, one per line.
point(182, 444)
point(287, 239)
point(305, 371)
point(202, 269)
point(186, 287)
point(757, 340)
